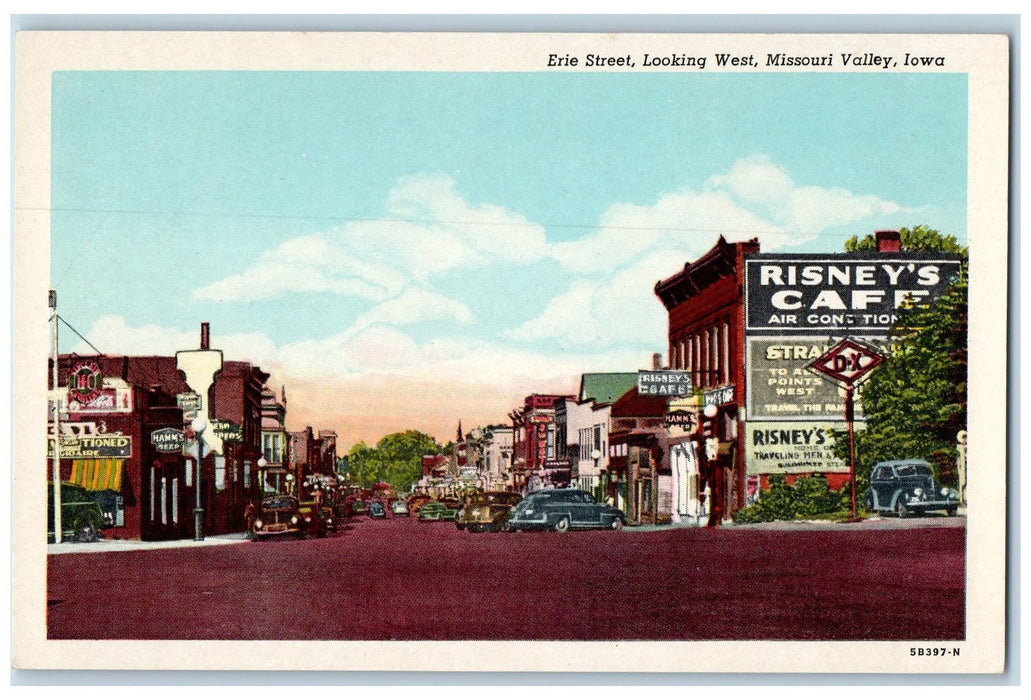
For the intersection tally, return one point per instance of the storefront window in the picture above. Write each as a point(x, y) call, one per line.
point(220, 473)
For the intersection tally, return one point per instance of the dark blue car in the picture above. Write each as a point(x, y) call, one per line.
point(907, 486)
point(562, 510)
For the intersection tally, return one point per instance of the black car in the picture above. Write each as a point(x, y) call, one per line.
point(81, 516)
point(908, 486)
point(562, 510)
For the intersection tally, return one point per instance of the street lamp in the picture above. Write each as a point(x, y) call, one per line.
point(262, 463)
point(199, 424)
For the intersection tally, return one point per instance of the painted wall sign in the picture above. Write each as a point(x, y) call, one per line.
point(167, 440)
point(860, 293)
point(780, 387)
point(782, 447)
point(228, 432)
point(107, 445)
point(664, 383)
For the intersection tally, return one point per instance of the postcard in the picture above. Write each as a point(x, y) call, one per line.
point(510, 352)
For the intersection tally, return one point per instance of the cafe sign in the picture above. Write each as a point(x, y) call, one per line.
point(664, 383)
point(167, 440)
point(720, 396)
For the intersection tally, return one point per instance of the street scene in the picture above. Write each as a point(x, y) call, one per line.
point(402, 579)
point(386, 355)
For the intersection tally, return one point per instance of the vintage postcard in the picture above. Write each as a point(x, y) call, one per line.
point(510, 352)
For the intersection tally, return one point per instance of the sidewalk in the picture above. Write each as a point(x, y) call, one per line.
point(109, 545)
point(873, 522)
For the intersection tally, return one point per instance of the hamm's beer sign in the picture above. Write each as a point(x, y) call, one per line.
point(815, 294)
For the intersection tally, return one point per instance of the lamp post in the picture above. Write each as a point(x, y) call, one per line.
point(199, 424)
point(262, 463)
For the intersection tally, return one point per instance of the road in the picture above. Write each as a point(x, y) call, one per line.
point(406, 580)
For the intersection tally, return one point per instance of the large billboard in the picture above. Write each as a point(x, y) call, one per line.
point(781, 388)
point(791, 447)
point(848, 294)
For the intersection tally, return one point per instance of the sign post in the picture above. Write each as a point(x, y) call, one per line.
point(847, 363)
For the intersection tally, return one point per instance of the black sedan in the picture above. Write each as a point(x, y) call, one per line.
point(908, 486)
point(562, 510)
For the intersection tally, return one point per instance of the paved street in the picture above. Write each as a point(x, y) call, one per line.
point(402, 579)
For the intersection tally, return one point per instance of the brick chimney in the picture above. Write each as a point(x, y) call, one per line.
point(205, 336)
point(657, 361)
point(888, 241)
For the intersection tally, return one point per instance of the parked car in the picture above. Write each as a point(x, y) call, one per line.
point(908, 486)
point(376, 510)
point(359, 507)
point(416, 501)
point(278, 516)
point(487, 511)
point(81, 516)
point(313, 519)
point(399, 509)
point(562, 510)
point(436, 510)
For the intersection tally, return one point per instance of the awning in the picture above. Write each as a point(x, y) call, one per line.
point(98, 474)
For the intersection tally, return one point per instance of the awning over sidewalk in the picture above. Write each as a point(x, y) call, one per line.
point(98, 474)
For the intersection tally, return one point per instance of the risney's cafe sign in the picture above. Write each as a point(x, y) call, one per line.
point(814, 294)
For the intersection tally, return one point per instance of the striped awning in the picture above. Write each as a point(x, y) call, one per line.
point(98, 474)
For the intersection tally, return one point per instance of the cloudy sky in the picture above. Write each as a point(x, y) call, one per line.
point(404, 250)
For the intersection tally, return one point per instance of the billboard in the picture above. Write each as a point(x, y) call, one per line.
point(781, 388)
point(791, 447)
point(848, 294)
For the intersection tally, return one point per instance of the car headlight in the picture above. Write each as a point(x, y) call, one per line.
point(918, 491)
point(258, 524)
point(294, 520)
point(945, 492)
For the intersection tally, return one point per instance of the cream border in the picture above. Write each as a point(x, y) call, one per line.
point(984, 58)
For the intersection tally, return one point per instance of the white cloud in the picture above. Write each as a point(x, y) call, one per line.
point(415, 305)
point(428, 230)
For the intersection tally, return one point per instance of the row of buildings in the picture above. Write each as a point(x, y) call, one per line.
point(128, 434)
point(699, 437)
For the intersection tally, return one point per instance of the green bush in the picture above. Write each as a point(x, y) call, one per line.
point(809, 498)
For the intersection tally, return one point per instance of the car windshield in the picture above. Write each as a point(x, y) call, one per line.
point(914, 470)
point(280, 502)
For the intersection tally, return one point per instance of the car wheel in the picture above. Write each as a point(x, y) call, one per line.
point(563, 524)
point(87, 531)
point(951, 511)
point(617, 524)
point(900, 508)
point(868, 504)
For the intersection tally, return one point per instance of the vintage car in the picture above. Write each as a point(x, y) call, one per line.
point(314, 518)
point(376, 510)
point(436, 510)
point(279, 516)
point(81, 516)
point(562, 510)
point(486, 511)
point(908, 486)
point(416, 501)
point(399, 509)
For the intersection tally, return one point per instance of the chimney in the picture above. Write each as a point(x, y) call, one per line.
point(657, 361)
point(888, 241)
point(205, 336)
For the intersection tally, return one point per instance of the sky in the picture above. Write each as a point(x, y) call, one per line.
point(410, 249)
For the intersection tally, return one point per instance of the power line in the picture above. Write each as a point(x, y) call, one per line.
point(80, 335)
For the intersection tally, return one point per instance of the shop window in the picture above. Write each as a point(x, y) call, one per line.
point(220, 473)
point(246, 473)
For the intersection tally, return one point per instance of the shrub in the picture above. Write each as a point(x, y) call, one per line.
point(810, 497)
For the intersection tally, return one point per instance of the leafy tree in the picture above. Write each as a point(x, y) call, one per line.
point(396, 459)
point(916, 401)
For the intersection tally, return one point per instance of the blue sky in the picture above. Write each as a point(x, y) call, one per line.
point(379, 241)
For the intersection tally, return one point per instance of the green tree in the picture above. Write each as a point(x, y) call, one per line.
point(396, 459)
point(916, 401)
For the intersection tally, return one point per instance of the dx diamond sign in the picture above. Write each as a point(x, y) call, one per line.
point(847, 362)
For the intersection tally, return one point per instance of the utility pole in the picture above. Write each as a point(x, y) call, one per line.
point(55, 403)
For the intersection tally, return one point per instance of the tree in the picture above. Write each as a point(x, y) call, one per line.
point(396, 459)
point(916, 401)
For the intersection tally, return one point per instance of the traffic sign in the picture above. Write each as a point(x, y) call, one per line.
point(847, 362)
